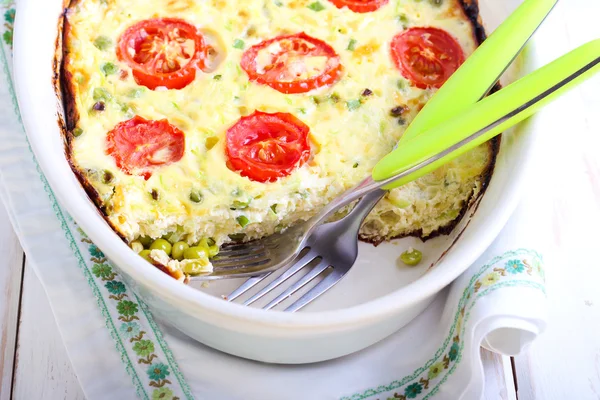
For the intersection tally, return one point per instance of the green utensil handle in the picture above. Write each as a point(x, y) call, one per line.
point(483, 68)
point(489, 117)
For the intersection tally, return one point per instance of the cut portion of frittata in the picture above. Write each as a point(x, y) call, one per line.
point(197, 120)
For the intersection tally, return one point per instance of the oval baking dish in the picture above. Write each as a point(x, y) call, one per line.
point(372, 302)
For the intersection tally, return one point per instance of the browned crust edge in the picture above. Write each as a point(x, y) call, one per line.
point(63, 84)
point(471, 10)
point(64, 89)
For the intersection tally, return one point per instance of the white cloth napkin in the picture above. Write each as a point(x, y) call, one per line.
point(118, 351)
point(505, 310)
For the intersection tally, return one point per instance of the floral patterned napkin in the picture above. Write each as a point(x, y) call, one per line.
point(119, 351)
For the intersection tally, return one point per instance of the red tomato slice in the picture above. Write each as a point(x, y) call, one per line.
point(162, 52)
point(292, 64)
point(139, 145)
point(265, 147)
point(360, 6)
point(426, 56)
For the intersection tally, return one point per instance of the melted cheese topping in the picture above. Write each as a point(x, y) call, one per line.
point(349, 132)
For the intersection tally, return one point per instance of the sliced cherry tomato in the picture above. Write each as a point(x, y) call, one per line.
point(360, 6)
point(139, 145)
point(265, 147)
point(162, 52)
point(426, 56)
point(292, 64)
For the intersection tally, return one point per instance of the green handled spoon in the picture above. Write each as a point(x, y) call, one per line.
point(478, 74)
point(482, 69)
point(482, 121)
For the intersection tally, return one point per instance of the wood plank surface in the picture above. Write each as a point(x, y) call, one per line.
point(499, 380)
point(42, 368)
point(10, 293)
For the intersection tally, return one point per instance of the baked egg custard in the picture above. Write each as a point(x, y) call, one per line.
point(192, 124)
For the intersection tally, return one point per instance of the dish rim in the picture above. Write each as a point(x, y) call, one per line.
point(27, 64)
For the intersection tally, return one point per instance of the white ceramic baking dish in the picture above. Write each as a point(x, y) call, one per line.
point(377, 298)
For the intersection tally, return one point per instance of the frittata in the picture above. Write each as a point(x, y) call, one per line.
point(202, 122)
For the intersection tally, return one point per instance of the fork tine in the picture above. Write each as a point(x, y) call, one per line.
point(312, 274)
point(240, 251)
point(323, 286)
point(235, 246)
point(257, 267)
point(236, 261)
point(244, 287)
point(297, 266)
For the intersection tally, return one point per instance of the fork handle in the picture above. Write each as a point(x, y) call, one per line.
point(487, 118)
point(478, 74)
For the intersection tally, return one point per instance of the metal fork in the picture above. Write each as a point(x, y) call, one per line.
point(276, 251)
point(332, 246)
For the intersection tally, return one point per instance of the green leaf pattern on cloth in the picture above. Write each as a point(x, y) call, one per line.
point(134, 328)
point(514, 268)
point(9, 21)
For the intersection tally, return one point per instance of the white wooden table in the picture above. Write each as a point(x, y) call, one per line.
point(564, 363)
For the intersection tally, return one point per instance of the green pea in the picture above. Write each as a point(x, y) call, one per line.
point(145, 254)
point(193, 268)
point(196, 196)
point(109, 68)
point(211, 248)
point(195, 253)
point(411, 257)
point(239, 44)
point(240, 204)
point(243, 221)
point(102, 42)
point(316, 6)
point(178, 249)
point(146, 241)
point(161, 244)
point(77, 132)
point(351, 45)
point(403, 19)
point(101, 94)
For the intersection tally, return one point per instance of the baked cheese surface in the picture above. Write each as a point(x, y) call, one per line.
point(352, 122)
